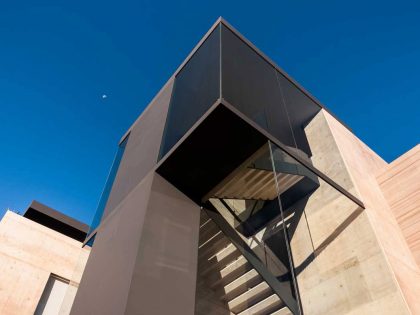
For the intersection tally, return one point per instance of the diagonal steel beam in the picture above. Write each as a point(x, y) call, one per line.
point(281, 289)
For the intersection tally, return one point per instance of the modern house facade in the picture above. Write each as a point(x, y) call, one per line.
point(237, 192)
point(41, 261)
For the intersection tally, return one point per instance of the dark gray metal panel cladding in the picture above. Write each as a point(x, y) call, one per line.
point(142, 149)
point(107, 276)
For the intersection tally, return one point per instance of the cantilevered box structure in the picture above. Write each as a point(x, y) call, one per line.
point(237, 192)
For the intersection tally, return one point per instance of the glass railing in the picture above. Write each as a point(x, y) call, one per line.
point(319, 223)
point(247, 202)
point(290, 219)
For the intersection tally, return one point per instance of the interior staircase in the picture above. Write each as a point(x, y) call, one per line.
point(230, 278)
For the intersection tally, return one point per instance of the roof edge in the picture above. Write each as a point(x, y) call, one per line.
point(56, 220)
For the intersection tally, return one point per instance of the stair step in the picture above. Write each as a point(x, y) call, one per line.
point(232, 271)
point(207, 242)
point(203, 223)
point(219, 260)
point(203, 217)
point(283, 311)
point(207, 232)
point(240, 285)
point(266, 306)
point(250, 297)
point(212, 246)
point(224, 253)
point(229, 273)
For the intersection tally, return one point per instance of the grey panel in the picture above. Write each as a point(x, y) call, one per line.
point(164, 276)
point(144, 260)
point(142, 149)
point(106, 280)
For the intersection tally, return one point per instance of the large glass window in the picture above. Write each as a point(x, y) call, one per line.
point(300, 111)
point(250, 84)
point(226, 66)
point(196, 88)
point(265, 95)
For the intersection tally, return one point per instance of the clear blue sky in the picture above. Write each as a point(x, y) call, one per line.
point(57, 59)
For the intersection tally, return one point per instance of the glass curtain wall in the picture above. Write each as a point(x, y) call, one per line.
point(226, 67)
point(196, 88)
point(291, 223)
point(265, 95)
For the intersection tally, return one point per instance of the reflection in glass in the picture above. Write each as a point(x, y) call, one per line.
point(196, 88)
point(294, 223)
point(271, 100)
point(108, 186)
point(250, 84)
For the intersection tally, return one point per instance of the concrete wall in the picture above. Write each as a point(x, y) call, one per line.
point(363, 165)
point(400, 184)
point(144, 257)
point(29, 253)
point(341, 266)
